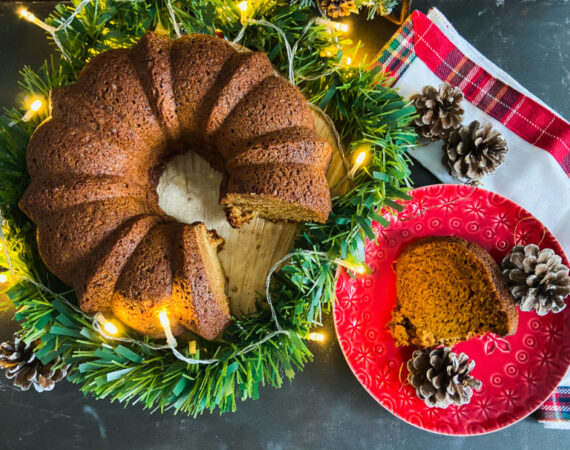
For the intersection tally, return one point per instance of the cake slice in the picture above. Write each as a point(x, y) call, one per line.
point(199, 284)
point(290, 192)
point(449, 290)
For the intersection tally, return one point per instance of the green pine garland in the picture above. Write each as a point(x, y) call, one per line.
point(373, 7)
point(364, 110)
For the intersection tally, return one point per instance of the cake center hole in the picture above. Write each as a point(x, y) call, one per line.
point(189, 191)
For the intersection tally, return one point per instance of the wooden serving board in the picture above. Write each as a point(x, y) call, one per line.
point(189, 191)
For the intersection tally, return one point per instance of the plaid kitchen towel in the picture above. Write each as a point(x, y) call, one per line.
point(428, 50)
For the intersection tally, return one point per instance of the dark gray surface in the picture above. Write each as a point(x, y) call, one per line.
point(325, 407)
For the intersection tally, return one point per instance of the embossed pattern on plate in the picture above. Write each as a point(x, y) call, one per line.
point(518, 372)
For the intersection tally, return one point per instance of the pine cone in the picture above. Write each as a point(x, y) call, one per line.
point(441, 377)
point(440, 111)
point(473, 151)
point(25, 369)
point(537, 279)
point(337, 8)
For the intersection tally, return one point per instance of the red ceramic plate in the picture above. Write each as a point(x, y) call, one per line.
point(518, 372)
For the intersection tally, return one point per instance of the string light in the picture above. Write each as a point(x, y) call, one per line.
point(360, 269)
point(243, 8)
point(329, 51)
point(34, 107)
point(30, 17)
point(165, 323)
point(347, 61)
point(317, 337)
point(343, 27)
point(356, 268)
point(360, 158)
point(23, 12)
point(109, 327)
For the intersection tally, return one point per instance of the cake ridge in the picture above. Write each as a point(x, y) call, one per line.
point(56, 149)
point(67, 100)
point(151, 59)
point(145, 286)
point(232, 87)
point(44, 195)
point(95, 293)
point(192, 82)
point(74, 233)
point(121, 93)
point(298, 145)
point(266, 97)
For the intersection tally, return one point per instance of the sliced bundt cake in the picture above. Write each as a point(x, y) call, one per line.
point(449, 290)
point(94, 167)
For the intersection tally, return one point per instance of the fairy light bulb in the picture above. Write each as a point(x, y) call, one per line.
point(317, 337)
point(34, 107)
point(243, 8)
point(165, 323)
point(3, 278)
point(24, 13)
point(164, 320)
point(359, 268)
point(30, 17)
point(108, 327)
point(332, 25)
point(329, 51)
point(360, 158)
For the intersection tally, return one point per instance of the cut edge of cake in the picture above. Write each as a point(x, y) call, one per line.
point(403, 328)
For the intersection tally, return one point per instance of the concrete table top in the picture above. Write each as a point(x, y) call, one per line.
point(325, 406)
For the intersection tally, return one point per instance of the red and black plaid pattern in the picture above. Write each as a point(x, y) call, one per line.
point(557, 407)
point(420, 37)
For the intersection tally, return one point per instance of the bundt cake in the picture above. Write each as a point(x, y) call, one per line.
point(96, 162)
point(449, 290)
